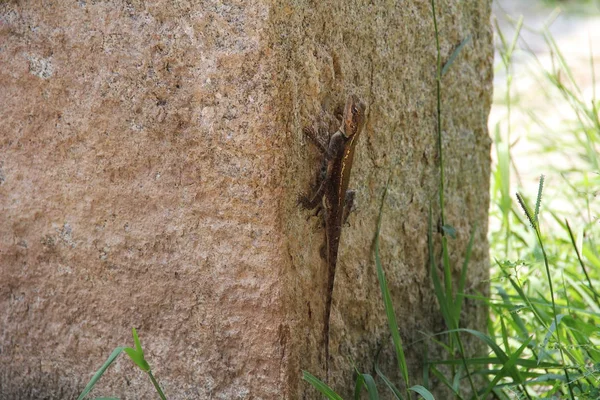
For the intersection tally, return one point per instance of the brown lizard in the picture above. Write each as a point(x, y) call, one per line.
point(333, 192)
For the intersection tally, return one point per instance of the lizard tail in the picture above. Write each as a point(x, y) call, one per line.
point(331, 262)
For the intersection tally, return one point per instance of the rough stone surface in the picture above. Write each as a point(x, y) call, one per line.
point(151, 155)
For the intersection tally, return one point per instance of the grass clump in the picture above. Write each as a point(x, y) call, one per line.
point(136, 355)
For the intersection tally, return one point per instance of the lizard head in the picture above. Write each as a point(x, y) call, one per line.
point(354, 116)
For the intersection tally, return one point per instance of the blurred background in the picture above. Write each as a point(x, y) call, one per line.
point(560, 38)
point(547, 65)
point(544, 246)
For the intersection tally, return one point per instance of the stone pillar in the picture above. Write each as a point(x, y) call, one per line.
point(151, 155)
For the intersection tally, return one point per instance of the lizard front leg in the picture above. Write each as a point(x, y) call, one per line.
point(312, 136)
point(307, 202)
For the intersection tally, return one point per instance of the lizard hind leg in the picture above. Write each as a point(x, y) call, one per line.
point(318, 211)
point(349, 205)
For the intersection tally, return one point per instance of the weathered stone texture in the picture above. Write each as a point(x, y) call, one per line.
point(151, 154)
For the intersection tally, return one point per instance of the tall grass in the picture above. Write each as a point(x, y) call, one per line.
point(543, 294)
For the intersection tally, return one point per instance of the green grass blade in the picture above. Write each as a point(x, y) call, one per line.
point(526, 363)
point(320, 386)
point(502, 175)
point(426, 394)
point(563, 62)
point(387, 299)
point(551, 330)
point(100, 372)
point(448, 284)
point(454, 54)
point(138, 345)
point(513, 44)
point(438, 85)
point(508, 369)
point(526, 300)
point(137, 355)
point(368, 381)
point(442, 345)
point(137, 358)
point(443, 379)
point(457, 378)
point(490, 342)
point(504, 332)
point(360, 382)
point(583, 291)
point(156, 386)
point(437, 283)
point(449, 231)
point(388, 383)
point(503, 41)
point(582, 265)
point(518, 323)
point(463, 277)
point(589, 253)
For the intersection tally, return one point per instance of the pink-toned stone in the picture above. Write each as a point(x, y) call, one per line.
point(151, 154)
